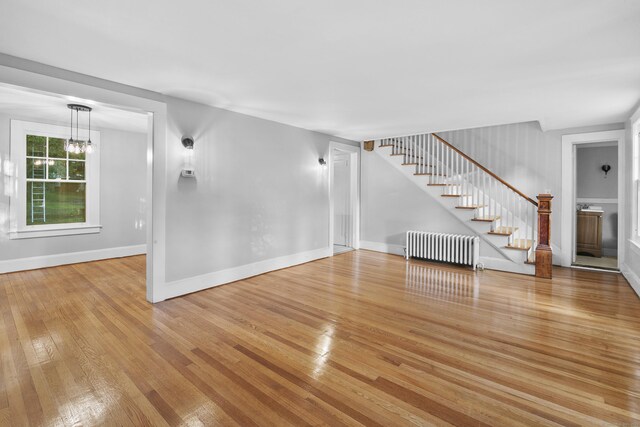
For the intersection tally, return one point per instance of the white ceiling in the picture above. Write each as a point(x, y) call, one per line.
point(27, 105)
point(353, 68)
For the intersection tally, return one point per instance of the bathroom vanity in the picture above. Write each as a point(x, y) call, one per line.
point(589, 232)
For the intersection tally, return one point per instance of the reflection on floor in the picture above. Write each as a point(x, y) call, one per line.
point(608, 262)
point(339, 249)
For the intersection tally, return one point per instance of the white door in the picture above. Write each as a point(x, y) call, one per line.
point(341, 200)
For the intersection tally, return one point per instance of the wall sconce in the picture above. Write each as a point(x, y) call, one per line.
point(188, 171)
point(187, 141)
point(322, 162)
point(606, 169)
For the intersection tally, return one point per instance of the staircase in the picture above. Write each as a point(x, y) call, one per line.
point(491, 208)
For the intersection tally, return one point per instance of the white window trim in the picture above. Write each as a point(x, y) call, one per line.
point(18, 228)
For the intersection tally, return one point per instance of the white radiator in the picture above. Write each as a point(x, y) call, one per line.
point(454, 248)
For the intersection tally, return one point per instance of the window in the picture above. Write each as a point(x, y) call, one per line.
point(57, 192)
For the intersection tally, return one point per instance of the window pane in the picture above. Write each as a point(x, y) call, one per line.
point(57, 169)
point(76, 170)
point(55, 202)
point(36, 168)
point(79, 156)
point(36, 146)
point(56, 148)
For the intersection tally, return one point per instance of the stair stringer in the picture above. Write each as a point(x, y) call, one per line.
point(513, 261)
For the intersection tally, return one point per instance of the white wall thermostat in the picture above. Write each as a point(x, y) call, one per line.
point(188, 173)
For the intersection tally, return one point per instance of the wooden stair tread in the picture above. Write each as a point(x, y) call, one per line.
point(408, 154)
point(486, 218)
point(428, 173)
point(471, 207)
point(520, 244)
point(455, 195)
point(410, 163)
point(504, 231)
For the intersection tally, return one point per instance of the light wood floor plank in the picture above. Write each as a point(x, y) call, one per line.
point(361, 338)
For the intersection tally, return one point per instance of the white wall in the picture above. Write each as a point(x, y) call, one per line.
point(259, 192)
point(591, 183)
point(122, 205)
point(524, 156)
point(391, 205)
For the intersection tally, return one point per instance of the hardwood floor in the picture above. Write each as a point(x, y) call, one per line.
point(360, 338)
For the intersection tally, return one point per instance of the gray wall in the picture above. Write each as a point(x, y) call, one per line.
point(592, 184)
point(523, 155)
point(122, 199)
point(259, 192)
point(590, 179)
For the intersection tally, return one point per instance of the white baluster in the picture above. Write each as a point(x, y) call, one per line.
point(420, 153)
point(533, 222)
point(516, 214)
point(440, 161)
point(414, 149)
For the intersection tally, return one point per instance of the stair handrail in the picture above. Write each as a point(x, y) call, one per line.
point(520, 193)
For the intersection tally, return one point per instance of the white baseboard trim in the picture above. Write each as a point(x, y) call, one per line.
point(217, 278)
point(32, 263)
point(498, 264)
point(388, 248)
point(631, 277)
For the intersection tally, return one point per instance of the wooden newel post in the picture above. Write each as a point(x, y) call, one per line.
point(543, 250)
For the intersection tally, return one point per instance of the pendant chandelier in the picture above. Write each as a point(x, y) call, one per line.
point(77, 145)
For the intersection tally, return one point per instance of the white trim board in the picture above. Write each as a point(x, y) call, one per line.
point(198, 283)
point(567, 231)
point(387, 248)
point(32, 263)
point(631, 277)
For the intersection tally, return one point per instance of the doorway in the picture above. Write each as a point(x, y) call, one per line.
point(593, 200)
point(596, 222)
point(69, 204)
point(344, 198)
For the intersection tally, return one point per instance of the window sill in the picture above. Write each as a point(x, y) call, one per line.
point(58, 231)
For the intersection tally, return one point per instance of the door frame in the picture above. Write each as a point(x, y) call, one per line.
point(354, 163)
point(568, 218)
